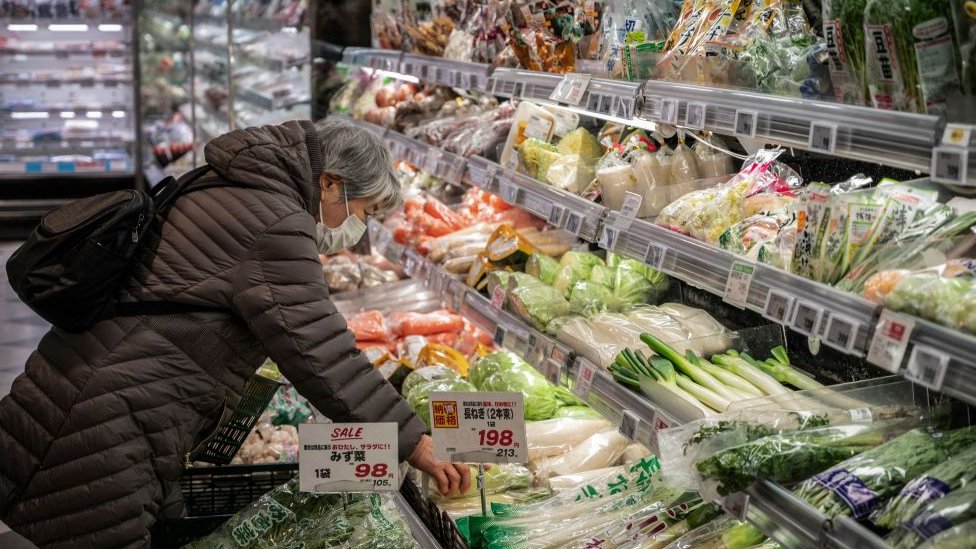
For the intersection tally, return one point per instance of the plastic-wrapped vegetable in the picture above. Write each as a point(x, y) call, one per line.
point(557, 436)
point(958, 537)
point(370, 326)
point(489, 364)
point(857, 486)
point(539, 395)
point(589, 298)
point(577, 412)
point(285, 517)
point(955, 474)
point(500, 478)
point(419, 396)
point(423, 375)
point(542, 267)
point(538, 304)
point(597, 452)
point(573, 267)
point(635, 283)
point(938, 516)
point(789, 457)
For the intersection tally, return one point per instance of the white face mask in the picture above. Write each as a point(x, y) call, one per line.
point(344, 236)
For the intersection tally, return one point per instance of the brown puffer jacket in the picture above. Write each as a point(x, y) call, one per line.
point(94, 434)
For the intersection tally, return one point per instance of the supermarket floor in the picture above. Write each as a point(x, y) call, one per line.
point(20, 330)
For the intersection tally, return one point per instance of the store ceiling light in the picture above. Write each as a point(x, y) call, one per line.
point(93, 114)
point(118, 114)
point(62, 27)
point(67, 114)
point(20, 27)
point(16, 115)
point(107, 27)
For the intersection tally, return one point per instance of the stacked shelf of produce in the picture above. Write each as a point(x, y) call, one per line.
point(66, 91)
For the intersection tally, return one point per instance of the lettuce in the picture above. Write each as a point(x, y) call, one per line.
point(589, 298)
point(419, 396)
point(635, 283)
point(542, 267)
point(603, 275)
point(505, 371)
point(538, 304)
point(573, 267)
point(423, 375)
point(489, 364)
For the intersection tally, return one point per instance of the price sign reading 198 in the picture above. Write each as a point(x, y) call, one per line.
point(478, 427)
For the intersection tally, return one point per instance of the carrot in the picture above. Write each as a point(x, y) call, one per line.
point(369, 325)
point(405, 324)
point(436, 209)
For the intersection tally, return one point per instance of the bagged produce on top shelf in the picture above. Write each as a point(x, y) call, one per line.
point(287, 517)
point(347, 272)
point(843, 30)
point(911, 61)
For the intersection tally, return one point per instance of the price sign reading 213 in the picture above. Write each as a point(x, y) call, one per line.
point(478, 427)
point(348, 457)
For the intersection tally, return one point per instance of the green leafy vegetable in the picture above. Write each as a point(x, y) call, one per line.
point(936, 517)
point(542, 267)
point(956, 473)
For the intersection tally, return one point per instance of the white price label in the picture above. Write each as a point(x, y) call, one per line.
point(806, 318)
point(509, 191)
point(490, 171)
point(695, 116)
point(571, 88)
point(628, 424)
point(632, 204)
point(861, 415)
point(574, 223)
point(500, 333)
point(738, 284)
point(348, 457)
point(778, 307)
point(669, 111)
point(950, 165)
point(737, 505)
point(410, 266)
point(890, 340)
point(585, 372)
point(655, 255)
point(927, 367)
point(556, 215)
point(478, 427)
point(745, 123)
point(823, 137)
point(841, 333)
point(608, 238)
point(498, 298)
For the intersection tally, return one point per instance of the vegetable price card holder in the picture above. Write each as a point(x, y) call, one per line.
point(483, 427)
point(348, 457)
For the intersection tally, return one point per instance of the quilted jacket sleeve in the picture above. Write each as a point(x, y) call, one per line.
point(280, 293)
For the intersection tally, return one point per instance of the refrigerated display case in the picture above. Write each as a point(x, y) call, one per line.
point(67, 102)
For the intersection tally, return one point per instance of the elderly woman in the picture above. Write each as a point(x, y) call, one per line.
point(96, 432)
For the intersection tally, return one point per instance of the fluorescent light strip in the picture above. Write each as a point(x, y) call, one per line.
point(15, 27)
point(118, 114)
point(633, 122)
point(17, 115)
point(67, 114)
point(60, 27)
point(398, 76)
point(94, 114)
point(107, 27)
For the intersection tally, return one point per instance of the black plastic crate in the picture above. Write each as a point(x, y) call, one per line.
point(438, 522)
point(225, 490)
point(173, 533)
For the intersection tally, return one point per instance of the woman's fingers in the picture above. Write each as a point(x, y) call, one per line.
point(453, 476)
point(465, 476)
point(443, 484)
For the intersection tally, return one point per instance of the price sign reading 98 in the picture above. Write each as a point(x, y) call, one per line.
point(348, 457)
point(478, 427)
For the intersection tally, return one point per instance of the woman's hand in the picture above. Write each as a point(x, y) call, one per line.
point(452, 478)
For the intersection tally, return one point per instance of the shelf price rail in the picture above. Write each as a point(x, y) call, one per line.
point(922, 142)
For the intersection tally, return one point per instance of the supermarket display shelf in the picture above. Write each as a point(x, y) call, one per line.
point(937, 357)
point(52, 111)
point(105, 166)
point(421, 534)
point(775, 510)
point(61, 145)
point(66, 53)
point(89, 82)
point(41, 22)
point(250, 23)
point(904, 140)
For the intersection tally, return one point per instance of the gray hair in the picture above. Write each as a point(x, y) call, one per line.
point(361, 159)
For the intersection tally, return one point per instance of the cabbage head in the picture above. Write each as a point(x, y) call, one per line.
point(542, 267)
point(489, 364)
point(635, 283)
point(589, 298)
point(419, 397)
point(423, 375)
point(538, 304)
point(539, 396)
point(573, 267)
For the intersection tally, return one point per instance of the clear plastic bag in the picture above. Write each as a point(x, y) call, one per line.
point(653, 171)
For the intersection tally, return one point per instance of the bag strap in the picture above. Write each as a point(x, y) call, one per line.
point(163, 195)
